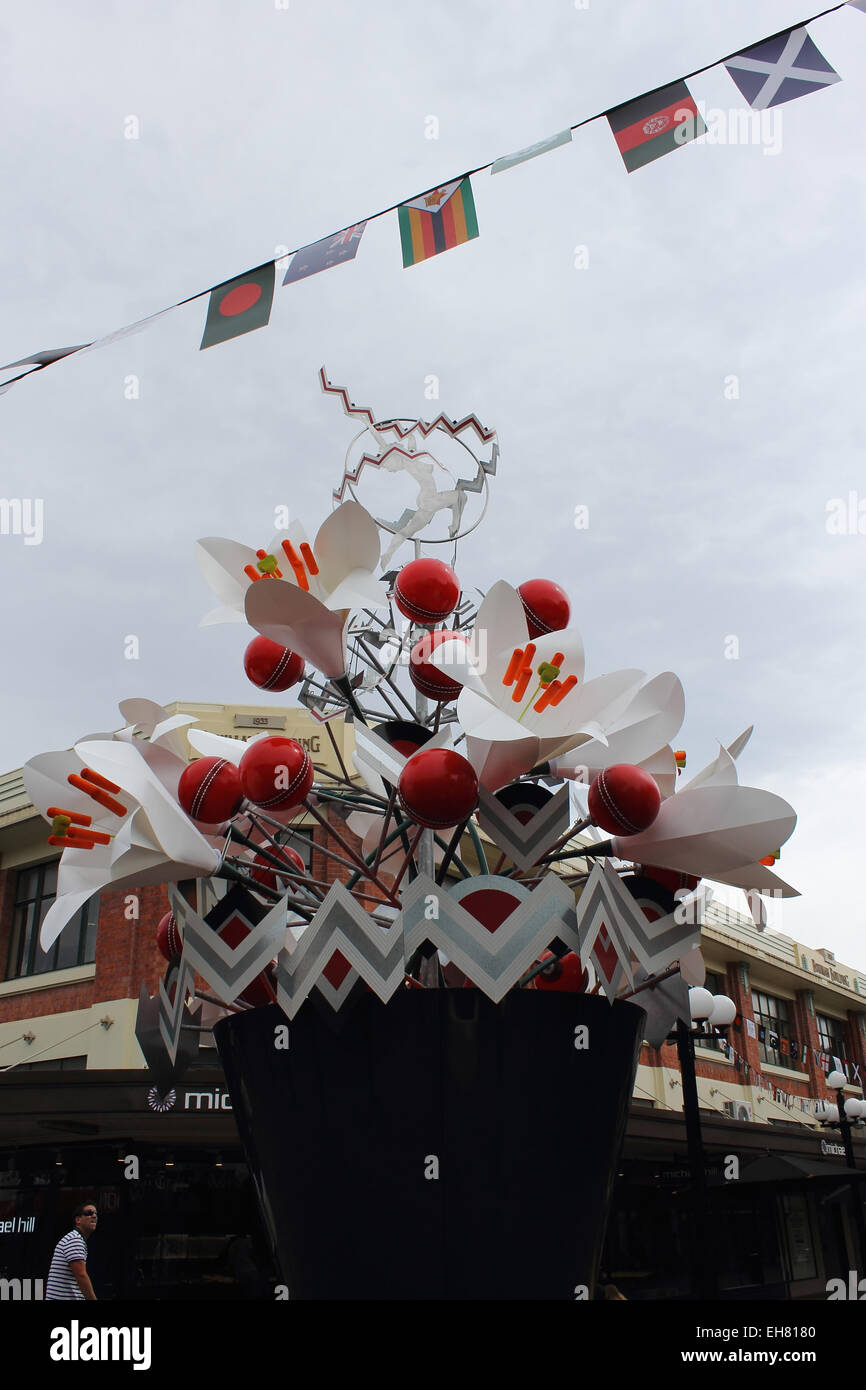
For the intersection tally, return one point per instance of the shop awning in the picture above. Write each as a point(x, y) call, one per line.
point(781, 1168)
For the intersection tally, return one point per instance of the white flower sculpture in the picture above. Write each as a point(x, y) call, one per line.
point(112, 804)
point(524, 702)
point(298, 594)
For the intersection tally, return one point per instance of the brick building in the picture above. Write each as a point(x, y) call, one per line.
point(76, 1101)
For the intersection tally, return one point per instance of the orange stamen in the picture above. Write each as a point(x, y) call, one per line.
point(252, 573)
point(94, 837)
point(568, 684)
point(98, 781)
point(523, 681)
point(75, 817)
point(557, 658)
point(310, 558)
point(297, 565)
point(95, 794)
point(547, 696)
point(513, 666)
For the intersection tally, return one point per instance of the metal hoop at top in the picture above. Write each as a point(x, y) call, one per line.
point(395, 530)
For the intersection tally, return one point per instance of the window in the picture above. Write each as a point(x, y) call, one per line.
point(59, 1064)
point(300, 840)
point(716, 984)
point(772, 1015)
point(831, 1035)
point(35, 890)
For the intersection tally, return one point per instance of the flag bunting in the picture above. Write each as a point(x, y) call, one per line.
point(776, 69)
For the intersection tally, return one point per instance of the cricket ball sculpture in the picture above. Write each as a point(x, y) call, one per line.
point(412, 1047)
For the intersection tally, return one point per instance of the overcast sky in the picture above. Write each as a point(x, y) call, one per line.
point(697, 385)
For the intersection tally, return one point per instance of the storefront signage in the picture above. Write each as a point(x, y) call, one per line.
point(207, 1100)
point(835, 975)
point(215, 1099)
point(260, 721)
point(18, 1225)
point(828, 1147)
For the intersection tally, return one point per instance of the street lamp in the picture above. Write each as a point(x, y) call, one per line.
point(842, 1114)
point(713, 1010)
point(836, 1080)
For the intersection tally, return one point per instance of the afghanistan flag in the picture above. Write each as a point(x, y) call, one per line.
point(781, 69)
point(655, 124)
point(239, 306)
point(321, 255)
point(436, 221)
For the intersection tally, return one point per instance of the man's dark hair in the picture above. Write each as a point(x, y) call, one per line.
point(79, 1210)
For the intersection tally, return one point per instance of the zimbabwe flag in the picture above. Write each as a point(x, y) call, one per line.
point(239, 306)
point(655, 124)
point(436, 221)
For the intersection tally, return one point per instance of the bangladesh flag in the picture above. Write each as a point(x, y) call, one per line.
point(239, 306)
point(436, 221)
point(655, 124)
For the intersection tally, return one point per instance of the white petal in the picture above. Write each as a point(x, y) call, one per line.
point(297, 620)
point(500, 763)
point(218, 746)
point(348, 540)
point(479, 717)
point(122, 763)
point(44, 779)
point(221, 563)
point(712, 830)
point(221, 615)
point(586, 708)
point(359, 589)
point(502, 616)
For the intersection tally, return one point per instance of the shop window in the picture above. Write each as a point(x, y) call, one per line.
point(773, 1016)
point(831, 1035)
point(35, 891)
point(58, 1064)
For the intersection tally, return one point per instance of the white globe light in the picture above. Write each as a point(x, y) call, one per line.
point(833, 1114)
point(836, 1079)
point(700, 1002)
point(724, 1011)
point(854, 1108)
point(825, 1111)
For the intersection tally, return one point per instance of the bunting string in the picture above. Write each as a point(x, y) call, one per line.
point(755, 1078)
point(776, 69)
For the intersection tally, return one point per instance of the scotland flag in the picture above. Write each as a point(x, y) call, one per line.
point(780, 69)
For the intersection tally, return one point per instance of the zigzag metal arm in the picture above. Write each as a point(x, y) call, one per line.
point(454, 427)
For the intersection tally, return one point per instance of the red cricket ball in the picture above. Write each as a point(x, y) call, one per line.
point(272, 667)
point(623, 799)
point(168, 937)
point(276, 773)
point(426, 591)
point(564, 973)
point(209, 790)
point(438, 788)
point(546, 605)
point(264, 873)
point(430, 679)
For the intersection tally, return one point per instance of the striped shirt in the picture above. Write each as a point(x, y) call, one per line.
point(61, 1281)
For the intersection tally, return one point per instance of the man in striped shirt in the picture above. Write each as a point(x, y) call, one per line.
point(68, 1277)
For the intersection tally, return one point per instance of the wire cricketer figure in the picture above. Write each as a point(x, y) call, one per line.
point(429, 501)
